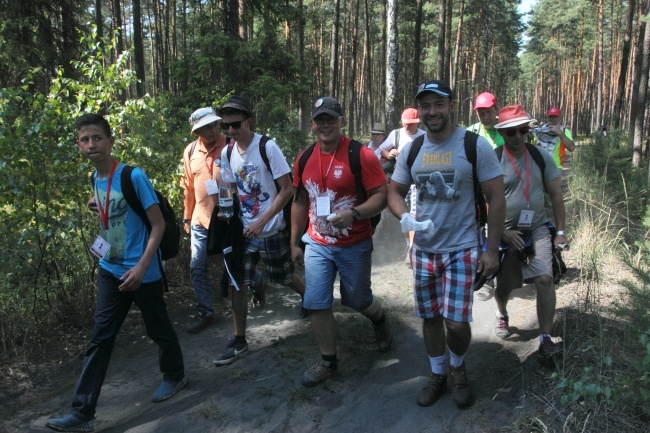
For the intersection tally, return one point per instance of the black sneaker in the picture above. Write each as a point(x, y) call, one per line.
point(71, 423)
point(548, 348)
point(231, 353)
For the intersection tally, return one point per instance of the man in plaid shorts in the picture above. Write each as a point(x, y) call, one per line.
point(445, 257)
point(261, 213)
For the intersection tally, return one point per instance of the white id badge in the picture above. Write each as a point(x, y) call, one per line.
point(323, 205)
point(211, 186)
point(100, 247)
point(526, 218)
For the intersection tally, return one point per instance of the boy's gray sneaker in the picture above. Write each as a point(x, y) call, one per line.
point(317, 373)
point(70, 423)
point(232, 351)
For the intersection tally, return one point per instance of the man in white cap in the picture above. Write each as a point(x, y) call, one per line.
point(377, 137)
point(201, 174)
point(528, 258)
point(486, 109)
point(389, 150)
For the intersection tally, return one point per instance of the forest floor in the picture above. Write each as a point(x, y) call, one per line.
point(261, 392)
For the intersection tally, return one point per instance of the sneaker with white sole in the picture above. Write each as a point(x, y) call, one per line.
point(231, 353)
point(71, 423)
point(317, 373)
point(501, 326)
point(548, 347)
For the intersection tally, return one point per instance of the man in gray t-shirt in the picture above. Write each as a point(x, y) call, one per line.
point(529, 254)
point(445, 256)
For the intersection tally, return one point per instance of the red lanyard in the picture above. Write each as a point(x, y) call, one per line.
point(320, 166)
point(103, 212)
point(525, 187)
point(208, 166)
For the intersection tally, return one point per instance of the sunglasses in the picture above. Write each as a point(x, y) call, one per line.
point(329, 121)
point(234, 125)
point(513, 131)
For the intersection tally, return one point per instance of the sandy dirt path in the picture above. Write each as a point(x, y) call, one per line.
point(261, 392)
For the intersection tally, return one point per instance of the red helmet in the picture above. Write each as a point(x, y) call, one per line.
point(554, 111)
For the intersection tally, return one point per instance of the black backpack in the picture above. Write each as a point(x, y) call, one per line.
point(470, 141)
point(170, 243)
point(354, 158)
point(286, 211)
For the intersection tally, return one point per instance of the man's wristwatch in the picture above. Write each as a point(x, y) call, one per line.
point(186, 220)
point(355, 214)
point(561, 233)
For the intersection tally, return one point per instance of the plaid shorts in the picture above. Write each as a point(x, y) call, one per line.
point(443, 283)
point(276, 255)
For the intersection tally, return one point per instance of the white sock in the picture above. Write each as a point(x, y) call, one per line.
point(455, 360)
point(437, 365)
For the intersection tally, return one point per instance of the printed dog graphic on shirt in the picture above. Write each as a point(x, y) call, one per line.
point(323, 228)
point(246, 179)
point(438, 185)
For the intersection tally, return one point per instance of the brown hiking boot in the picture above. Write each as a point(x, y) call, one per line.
point(460, 387)
point(435, 387)
point(201, 324)
point(383, 334)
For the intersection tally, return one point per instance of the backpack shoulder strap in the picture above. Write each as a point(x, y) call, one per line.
point(354, 159)
point(396, 142)
point(230, 143)
point(265, 156)
point(537, 156)
point(128, 191)
point(534, 153)
point(415, 149)
point(302, 162)
point(191, 151)
point(470, 142)
point(499, 152)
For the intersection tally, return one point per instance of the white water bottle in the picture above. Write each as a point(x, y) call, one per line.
point(225, 199)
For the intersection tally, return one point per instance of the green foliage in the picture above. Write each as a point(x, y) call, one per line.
point(44, 225)
point(589, 386)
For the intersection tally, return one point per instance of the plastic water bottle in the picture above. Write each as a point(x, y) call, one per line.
point(225, 199)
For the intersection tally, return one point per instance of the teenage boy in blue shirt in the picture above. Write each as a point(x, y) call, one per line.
point(128, 272)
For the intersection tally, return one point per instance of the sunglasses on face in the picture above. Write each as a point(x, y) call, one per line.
point(234, 125)
point(513, 131)
point(329, 121)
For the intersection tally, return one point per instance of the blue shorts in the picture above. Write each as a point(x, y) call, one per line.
point(353, 264)
point(443, 283)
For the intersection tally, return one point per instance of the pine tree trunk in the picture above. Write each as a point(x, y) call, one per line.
point(391, 63)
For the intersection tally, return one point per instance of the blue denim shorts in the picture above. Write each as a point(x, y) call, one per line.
point(353, 264)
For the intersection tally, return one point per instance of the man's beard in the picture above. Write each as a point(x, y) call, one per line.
point(443, 124)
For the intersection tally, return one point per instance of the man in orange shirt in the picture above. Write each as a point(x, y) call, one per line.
point(201, 174)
